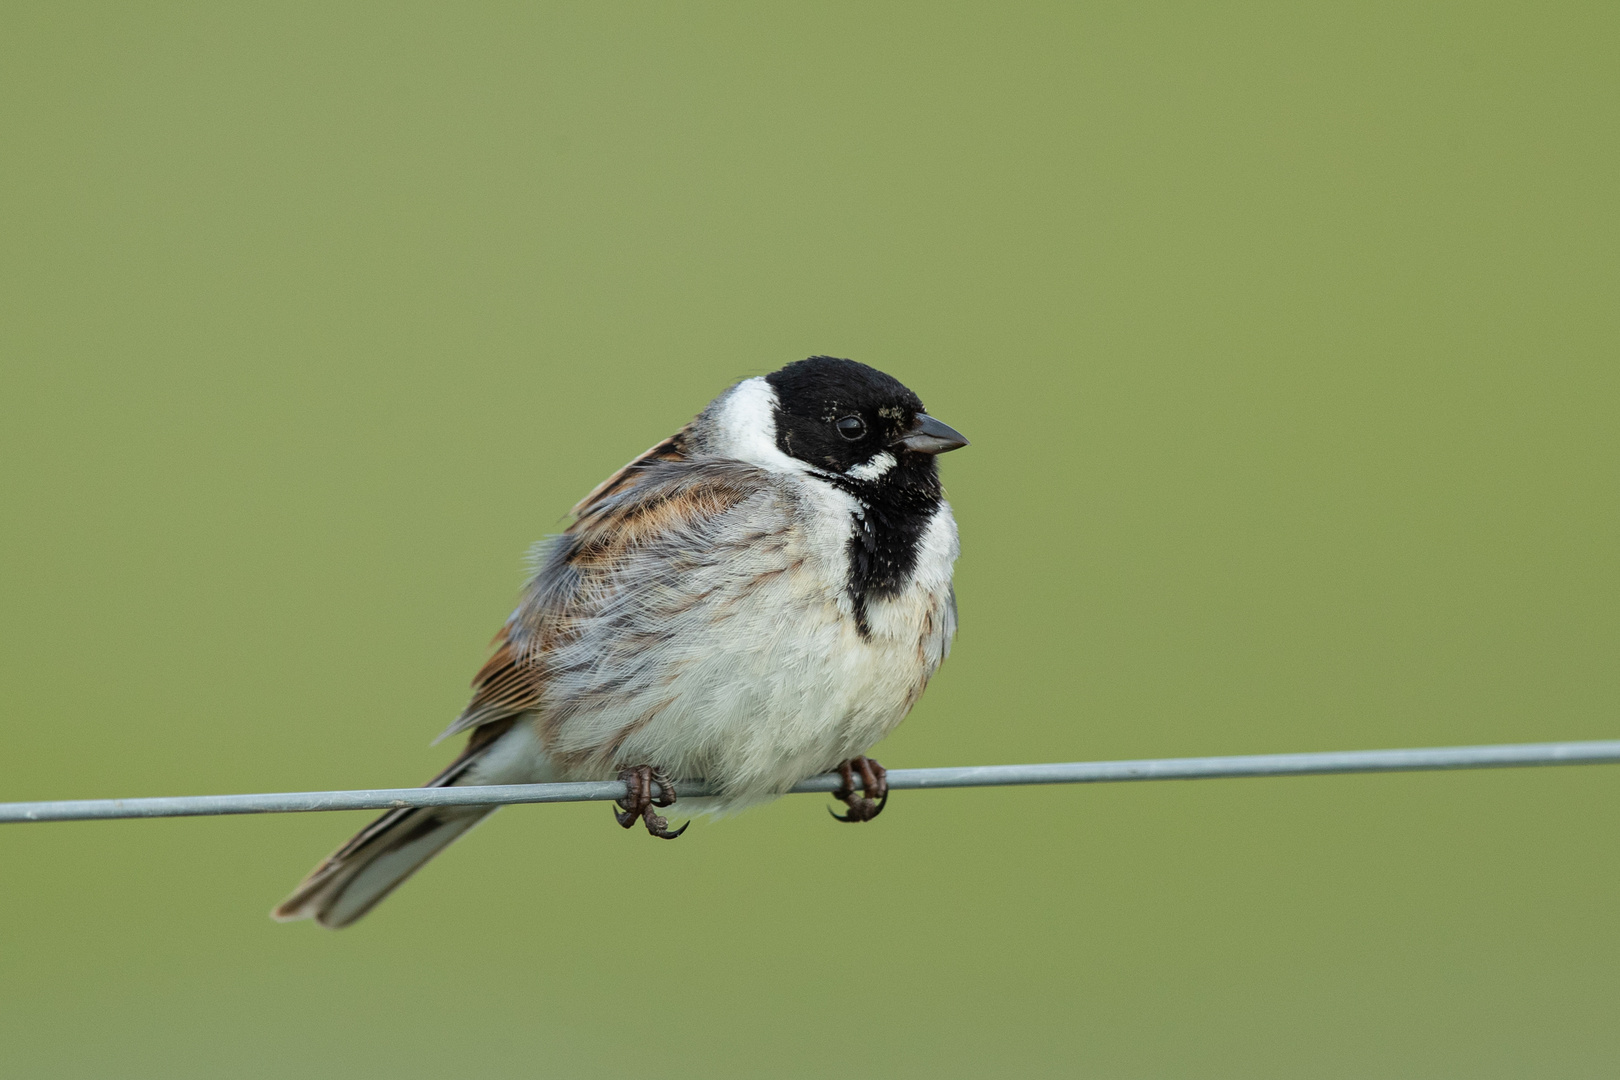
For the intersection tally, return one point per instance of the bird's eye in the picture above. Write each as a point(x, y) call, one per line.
point(851, 427)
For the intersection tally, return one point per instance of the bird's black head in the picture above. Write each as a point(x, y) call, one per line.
point(854, 420)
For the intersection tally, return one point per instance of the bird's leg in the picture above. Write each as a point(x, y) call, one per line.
point(638, 801)
point(874, 784)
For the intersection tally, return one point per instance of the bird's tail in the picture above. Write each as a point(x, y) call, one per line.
point(357, 876)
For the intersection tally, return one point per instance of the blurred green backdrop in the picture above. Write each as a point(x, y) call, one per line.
point(1286, 336)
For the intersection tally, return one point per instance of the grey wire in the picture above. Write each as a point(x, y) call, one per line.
point(1080, 772)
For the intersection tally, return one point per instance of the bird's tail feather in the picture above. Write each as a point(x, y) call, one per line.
point(360, 874)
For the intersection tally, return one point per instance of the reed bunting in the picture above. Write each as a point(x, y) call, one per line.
point(757, 599)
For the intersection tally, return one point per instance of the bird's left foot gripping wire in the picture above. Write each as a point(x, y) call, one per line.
point(874, 785)
point(639, 800)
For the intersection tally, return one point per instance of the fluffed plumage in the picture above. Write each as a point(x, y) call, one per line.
point(752, 601)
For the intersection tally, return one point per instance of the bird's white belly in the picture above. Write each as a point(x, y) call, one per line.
point(810, 698)
point(785, 685)
point(782, 702)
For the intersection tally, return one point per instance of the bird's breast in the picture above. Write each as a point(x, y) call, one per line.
point(760, 673)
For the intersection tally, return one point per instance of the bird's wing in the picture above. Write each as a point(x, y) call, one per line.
point(641, 556)
point(673, 448)
point(658, 514)
point(504, 687)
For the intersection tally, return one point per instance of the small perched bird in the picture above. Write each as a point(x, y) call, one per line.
point(757, 599)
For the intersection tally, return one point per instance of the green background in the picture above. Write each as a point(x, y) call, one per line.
point(1286, 336)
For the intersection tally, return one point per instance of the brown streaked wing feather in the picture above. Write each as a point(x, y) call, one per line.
point(671, 449)
point(660, 502)
point(503, 688)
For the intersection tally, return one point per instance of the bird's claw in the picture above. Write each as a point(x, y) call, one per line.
point(874, 786)
point(639, 800)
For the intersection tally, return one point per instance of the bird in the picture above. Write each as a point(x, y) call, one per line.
point(757, 599)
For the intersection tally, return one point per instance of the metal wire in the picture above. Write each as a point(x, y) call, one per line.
point(1080, 772)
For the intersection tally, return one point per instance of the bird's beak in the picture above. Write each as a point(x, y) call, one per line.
point(930, 436)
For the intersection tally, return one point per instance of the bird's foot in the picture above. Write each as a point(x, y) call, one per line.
point(874, 784)
point(639, 800)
